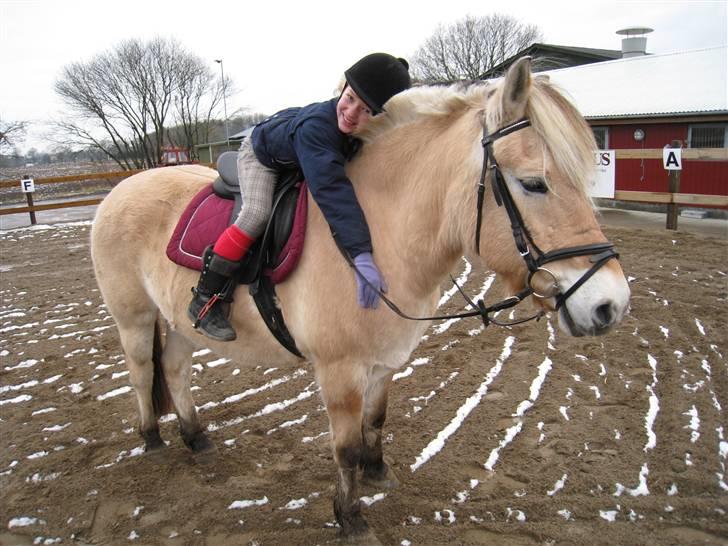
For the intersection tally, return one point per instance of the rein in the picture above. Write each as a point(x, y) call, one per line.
point(601, 252)
point(480, 309)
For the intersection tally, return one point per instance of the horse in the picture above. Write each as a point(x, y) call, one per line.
point(419, 178)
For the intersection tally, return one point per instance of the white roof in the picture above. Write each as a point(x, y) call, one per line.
point(648, 86)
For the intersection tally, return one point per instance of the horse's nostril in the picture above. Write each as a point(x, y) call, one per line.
point(603, 315)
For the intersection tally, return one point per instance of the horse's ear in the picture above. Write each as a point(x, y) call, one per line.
point(516, 89)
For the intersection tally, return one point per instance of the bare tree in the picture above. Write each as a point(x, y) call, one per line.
point(192, 112)
point(124, 102)
point(11, 134)
point(471, 46)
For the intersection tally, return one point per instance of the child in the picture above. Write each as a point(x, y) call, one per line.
point(318, 139)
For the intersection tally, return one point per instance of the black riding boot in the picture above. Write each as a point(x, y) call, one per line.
point(206, 310)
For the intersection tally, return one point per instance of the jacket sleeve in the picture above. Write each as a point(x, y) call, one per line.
point(317, 147)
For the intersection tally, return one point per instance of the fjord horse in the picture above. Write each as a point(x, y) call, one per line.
point(416, 179)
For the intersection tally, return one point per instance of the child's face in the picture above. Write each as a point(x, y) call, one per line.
point(352, 113)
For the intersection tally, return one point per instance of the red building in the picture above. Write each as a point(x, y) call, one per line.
point(649, 101)
point(702, 177)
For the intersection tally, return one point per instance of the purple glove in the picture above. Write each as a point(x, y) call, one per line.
point(365, 267)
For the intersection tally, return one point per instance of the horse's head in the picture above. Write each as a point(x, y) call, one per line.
point(540, 169)
point(425, 155)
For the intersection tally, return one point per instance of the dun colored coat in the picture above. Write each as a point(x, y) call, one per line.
point(416, 181)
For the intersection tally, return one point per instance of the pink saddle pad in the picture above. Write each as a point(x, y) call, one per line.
point(208, 215)
point(202, 222)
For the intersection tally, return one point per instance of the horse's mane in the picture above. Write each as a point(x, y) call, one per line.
point(423, 102)
point(567, 137)
point(564, 132)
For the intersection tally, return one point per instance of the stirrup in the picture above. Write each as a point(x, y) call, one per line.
point(205, 309)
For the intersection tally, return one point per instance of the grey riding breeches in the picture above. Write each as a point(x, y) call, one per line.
point(257, 184)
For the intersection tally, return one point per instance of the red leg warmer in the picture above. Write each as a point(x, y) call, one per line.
point(233, 243)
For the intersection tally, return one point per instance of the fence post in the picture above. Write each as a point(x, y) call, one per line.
point(673, 188)
point(27, 185)
point(29, 196)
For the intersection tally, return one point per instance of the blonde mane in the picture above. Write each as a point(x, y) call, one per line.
point(567, 138)
point(566, 135)
point(423, 102)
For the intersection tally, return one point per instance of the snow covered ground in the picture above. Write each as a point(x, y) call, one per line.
point(499, 435)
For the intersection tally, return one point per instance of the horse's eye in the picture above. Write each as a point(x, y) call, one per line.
point(534, 185)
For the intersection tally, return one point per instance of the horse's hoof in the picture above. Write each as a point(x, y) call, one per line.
point(203, 445)
point(152, 440)
point(203, 449)
point(156, 454)
point(154, 447)
point(349, 518)
point(383, 479)
point(367, 538)
point(199, 443)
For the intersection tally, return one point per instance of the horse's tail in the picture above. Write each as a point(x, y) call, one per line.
point(161, 398)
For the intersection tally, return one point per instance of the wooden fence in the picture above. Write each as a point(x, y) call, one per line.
point(671, 198)
point(32, 208)
point(674, 196)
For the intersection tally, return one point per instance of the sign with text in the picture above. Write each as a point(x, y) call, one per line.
point(602, 183)
point(672, 159)
point(27, 185)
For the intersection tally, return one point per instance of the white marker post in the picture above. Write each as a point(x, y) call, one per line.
point(27, 185)
point(672, 161)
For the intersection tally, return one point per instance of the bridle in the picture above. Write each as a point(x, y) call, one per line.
point(532, 255)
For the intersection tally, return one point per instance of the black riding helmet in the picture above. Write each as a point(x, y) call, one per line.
point(378, 77)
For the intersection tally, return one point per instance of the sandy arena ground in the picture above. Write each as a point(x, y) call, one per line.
point(544, 439)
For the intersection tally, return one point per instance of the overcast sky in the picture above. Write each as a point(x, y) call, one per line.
point(289, 53)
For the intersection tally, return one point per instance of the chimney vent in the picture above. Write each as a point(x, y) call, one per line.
point(634, 43)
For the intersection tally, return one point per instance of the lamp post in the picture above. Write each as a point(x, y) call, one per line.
point(224, 100)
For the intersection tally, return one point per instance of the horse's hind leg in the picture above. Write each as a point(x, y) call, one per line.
point(375, 470)
point(177, 365)
point(138, 340)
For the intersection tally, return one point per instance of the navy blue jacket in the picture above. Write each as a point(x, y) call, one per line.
point(309, 138)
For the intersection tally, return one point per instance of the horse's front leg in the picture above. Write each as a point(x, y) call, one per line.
point(375, 470)
point(342, 387)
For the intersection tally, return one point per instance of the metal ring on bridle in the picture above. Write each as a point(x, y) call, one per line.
point(554, 283)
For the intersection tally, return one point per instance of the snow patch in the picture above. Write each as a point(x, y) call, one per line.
point(248, 503)
point(463, 411)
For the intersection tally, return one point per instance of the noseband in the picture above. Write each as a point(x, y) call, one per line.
point(532, 255)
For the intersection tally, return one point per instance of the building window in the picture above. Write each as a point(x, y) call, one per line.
point(708, 136)
point(601, 135)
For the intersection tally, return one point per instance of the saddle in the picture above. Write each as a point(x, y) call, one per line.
point(273, 256)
